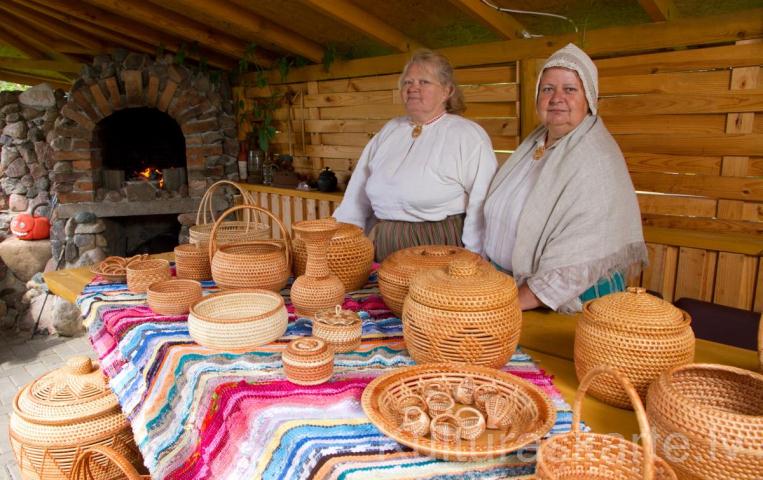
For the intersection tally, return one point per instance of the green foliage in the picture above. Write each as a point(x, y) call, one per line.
point(180, 55)
point(329, 55)
point(10, 86)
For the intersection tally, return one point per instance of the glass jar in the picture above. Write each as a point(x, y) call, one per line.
point(267, 172)
point(256, 161)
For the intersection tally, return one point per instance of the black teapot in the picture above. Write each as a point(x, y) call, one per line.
point(327, 180)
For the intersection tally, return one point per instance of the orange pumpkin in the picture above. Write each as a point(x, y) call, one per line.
point(28, 226)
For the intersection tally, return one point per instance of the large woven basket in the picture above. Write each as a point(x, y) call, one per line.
point(708, 421)
point(192, 262)
point(637, 333)
point(174, 296)
point(592, 456)
point(251, 227)
point(62, 413)
point(259, 264)
point(140, 275)
point(466, 312)
point(397, 270)
point(350, 256)
point(238, 320)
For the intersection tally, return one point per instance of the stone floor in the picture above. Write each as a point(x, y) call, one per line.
point(21, 361)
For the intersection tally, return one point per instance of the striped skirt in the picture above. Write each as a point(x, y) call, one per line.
point(392, 235)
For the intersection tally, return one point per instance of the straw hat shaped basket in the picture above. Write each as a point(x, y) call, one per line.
point(250, 227)
point(582, 456)
point(708, 421)
point(466, 312)
point(397, 270)
point(63, 412)
point(256, 264)
point(637, 333)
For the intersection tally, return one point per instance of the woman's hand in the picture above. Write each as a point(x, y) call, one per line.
point(527, 299)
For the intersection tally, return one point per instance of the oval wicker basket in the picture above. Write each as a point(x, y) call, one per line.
point(308, 361)
point(238, 320)
point(467, 312)
point(582, 455)
point(708, 421)
point(62, 412)
point(174, 296)
point(340, 329)
point(192, 262)
point(397, 270)
point(140, 275)
point(261, 264)
point(350, 256)
point(637, 333)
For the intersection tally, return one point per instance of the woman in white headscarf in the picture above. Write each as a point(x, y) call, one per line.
point(561, 214)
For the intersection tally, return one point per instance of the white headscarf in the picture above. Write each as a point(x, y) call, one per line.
point(575, 59)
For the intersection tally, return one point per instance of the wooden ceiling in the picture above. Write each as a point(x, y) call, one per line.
point(49, 40)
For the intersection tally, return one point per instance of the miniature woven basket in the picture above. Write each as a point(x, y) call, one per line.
point(340, 329)
point(174, 296)
point(708, 421)
point(397, 270)
point(350, 256)
point(308, 361)
point(238, 320)
point(637, 333)
point(140, 275)
point(581, 455)
point(192, 262)
point(467, 312)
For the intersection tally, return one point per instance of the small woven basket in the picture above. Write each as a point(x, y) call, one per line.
point(192, 262)
point(238, 320)
point(340, 329)
point(174, 296)
point(90, 461)
point(582, 456)
point(140, 275)
point(308, 361)
point(708, 421)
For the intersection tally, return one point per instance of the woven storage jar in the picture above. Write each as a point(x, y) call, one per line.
point(708, 421)
point(308, 361)
point(350, 256)
point(174, 296)
point(397, 270)
point(63, 412)
point(192, 262)
point(140, 275)
point(238, 320)
point(637, 333)
point(467, 312)
point(340, 329)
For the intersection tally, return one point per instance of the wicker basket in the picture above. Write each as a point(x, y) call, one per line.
point(260, 264)
point(95, 457)
point(708, 421)
point(114, 269)
point(583, 456)
point(350, 256)
point(466, 312)
point(397, 270)
point(192, 262)
point(63, 412)
point(637, 333)
point(340, 329)
point(140, 275)
point(308, 361)
point(239, 320)
point(250, 228)
point(174, 296)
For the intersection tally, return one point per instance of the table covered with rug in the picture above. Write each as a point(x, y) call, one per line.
point(198, 413)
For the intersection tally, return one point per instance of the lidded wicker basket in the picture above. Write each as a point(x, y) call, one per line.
point(467, 312)
point(140, 275)
point(637, 333)
point(340, 329)
point(397, 270)
point(308, 361)
point(350, 256)
point(708, 421)
point(174, 296)
point(192, 262)
point(62, 413)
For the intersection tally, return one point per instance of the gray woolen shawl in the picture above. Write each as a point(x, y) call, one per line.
point(582, 220)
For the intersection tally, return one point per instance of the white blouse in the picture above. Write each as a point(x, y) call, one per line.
point(445, 171)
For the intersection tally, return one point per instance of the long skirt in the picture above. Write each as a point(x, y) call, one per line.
point(391, 235)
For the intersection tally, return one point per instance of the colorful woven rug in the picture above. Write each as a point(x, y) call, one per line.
point(198, 414)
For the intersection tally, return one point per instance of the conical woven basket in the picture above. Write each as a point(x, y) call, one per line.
point(192, 262)
point(467, 312)
point(397, 270)
point(637, 333)
point(708, 421)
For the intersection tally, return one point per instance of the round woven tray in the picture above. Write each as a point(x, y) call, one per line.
point(340, 329)
point(192, 262)
point(308, 361)
point(174, 296)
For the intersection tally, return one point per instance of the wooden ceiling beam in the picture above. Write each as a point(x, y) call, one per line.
point(355, 17)
point(30, 79)
point(26, 64)
point(8, 38)
point(501, 23)
point(659, 10)
point(37, 39)
point(53, 26)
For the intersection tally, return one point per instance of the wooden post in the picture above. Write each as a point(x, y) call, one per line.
point(113, 179)
point(528, 75)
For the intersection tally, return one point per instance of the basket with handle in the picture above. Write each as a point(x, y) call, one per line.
point(582, 455)
point(256, 264)
point(247, 229)
point(90, 461)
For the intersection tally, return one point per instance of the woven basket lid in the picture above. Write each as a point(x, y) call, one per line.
point(307, 349)
point(337, 316)
point(464, 285)
point(401, 265)
point(635, 309)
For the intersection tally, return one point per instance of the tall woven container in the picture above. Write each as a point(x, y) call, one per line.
point(708, 421)
point(467, 312)
point(63, 412)
point(397, 270)
point(250, 228)
point(637, 333)
point(192, 262)
point(350, 256)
